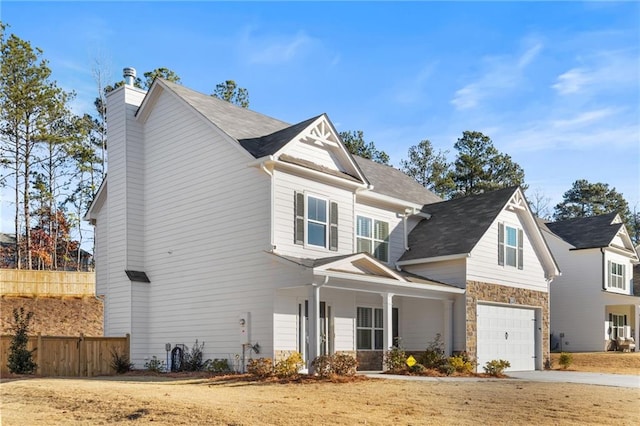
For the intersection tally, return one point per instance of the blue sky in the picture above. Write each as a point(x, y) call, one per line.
point(555, 85)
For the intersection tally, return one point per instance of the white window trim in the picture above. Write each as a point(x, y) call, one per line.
point(372, 329)
point(615, 278)
point(373, 238)
point(307, 221)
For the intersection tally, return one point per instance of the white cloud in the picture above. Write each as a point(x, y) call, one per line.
point(572, 81)
point(502, 74)
point(411, 89)
point(584, 119)
point(274, 49)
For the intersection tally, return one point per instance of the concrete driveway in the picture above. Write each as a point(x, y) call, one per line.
point(618, 380)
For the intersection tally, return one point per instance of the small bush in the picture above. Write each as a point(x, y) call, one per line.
point(20, 359)
point(395, 360)
point(345, 365)
point(155, 365)
point(260, 367)
point(337, 364)
point(461, 363)
point(194, 359)
point(548, 364)
point(290, 366)
point(433, 357)
point(565, 360)
point(446, 369)
point(120, 362)
point(323, 365)
point(219, 366)
point(417, 368)
point(496, 367)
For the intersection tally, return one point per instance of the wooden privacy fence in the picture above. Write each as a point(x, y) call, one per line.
point(18, 282)
point(70, 356)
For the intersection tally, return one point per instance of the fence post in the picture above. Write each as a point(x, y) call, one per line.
point(39, 355)
point(82, 357)
point(127, 349)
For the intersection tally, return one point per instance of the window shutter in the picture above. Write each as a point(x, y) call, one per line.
point(333, 226)
point(624, 279)
point(298, 229)
point(500, 243)
point(609, 275)
point(520, 249)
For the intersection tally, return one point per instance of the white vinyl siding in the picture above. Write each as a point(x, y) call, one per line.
point(286, 186)
point(482, 265)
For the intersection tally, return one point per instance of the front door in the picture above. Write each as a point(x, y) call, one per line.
point(326, 330)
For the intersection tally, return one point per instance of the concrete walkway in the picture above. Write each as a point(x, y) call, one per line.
point(617, 380)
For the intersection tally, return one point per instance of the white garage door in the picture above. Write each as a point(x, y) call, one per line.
point(508, 333)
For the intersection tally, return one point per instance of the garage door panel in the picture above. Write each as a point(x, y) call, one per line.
point(506, 332)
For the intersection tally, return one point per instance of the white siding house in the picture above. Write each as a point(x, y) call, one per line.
point(225, 226)
point(593, 307)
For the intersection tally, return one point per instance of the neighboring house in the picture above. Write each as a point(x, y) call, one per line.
point(592, 303)
point(220, 224)
point(8, 257)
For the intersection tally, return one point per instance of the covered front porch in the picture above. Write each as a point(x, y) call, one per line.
point(621, 320)
point(356, 305)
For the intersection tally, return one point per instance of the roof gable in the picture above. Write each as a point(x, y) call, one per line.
point(456, 225)
point(601, 231)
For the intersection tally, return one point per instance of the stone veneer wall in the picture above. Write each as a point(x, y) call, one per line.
point(484, 292)
point(369, 360)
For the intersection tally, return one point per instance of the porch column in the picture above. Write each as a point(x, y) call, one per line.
point(387, 331)
point(448, 326)
point(314, 324)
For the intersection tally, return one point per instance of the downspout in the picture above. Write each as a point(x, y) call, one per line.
point(271, 202)
point(604, 270)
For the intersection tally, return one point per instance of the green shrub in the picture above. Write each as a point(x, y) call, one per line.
point(446, 368)
point(565, 360)
point(155, 365)
point(496, 367)
point(395, 360)
point(417, 368)
point(461, 363)
point(120, 362)
point(219, 366)
point(260, 367)
point(345, 365)
point(20, 359)
point(290, 366)
point(433, 357)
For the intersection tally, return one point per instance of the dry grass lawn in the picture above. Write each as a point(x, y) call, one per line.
point(162, 401)
point(602, 362)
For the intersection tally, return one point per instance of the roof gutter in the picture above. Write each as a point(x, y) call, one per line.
point(433, 259)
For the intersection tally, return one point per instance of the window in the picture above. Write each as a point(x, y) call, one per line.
point(616, 275)
point(373, 237)
point(315, 221)
point(618, 322)
point(370, 331)
point(510, 246)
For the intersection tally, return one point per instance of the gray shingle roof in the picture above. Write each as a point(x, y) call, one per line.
point(237, 122)
point(390, 181)
point(455, 226)
point(272, 143)
point(586, 232)
point(262, 135)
